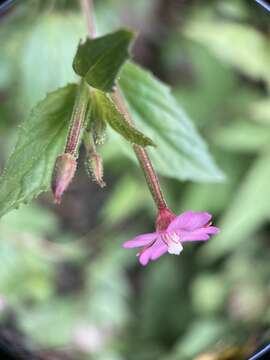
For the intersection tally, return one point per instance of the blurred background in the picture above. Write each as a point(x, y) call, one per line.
point(67, 289)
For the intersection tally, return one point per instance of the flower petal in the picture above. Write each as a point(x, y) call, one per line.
point(141, 240)
point(212, 230)
point(159, 248)
point(153, 252)
point(145, 255)
point(198, 235)
point(194, 236)
point(189, 221)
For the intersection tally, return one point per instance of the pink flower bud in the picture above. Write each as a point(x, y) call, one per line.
point(64, 170)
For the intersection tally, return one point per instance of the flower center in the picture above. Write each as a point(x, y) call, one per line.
point(165, 217)
point(172, 240)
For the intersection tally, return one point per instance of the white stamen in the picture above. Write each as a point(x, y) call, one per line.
point(173, 243)
point(174, 248)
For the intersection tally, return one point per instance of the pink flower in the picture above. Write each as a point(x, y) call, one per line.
point(171, 232)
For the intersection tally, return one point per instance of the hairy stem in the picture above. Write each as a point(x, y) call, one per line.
point(142, 156)
point(141, 153)
point(77, 119)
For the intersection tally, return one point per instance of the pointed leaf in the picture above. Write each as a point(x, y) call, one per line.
point(100, 60)
point(41, 139)
point(107, 111)
point(181, 152)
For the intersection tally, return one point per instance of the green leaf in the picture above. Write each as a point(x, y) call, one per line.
point(248, 211)
point(41, 139)
point(107, 111)
point(181, 152)
point(100, 60)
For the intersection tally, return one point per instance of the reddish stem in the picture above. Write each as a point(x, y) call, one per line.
point(142, 156)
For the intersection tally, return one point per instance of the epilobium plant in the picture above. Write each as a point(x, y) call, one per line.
point(112, 92)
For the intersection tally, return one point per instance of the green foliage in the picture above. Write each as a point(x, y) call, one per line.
point(212, 83)
point(202, 334)
point(39, 320)
point(106, 110)
point(126, 199)
point(242, 136)
point(87, 310)
point(247, 212)
point(27, 257)
point(23, 257)
point(56, 37)
point(181, 152)
point(41, 139)
point(29, 268)
point(202, 287)
point(218, 37)
point(30, 219)
point(99, 60)
point(260, 110)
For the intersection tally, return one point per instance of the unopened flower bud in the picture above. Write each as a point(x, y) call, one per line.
point(99, 131)
point(94, 168)
point(64, 170)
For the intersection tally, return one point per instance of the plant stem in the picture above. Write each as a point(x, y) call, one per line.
point(88, 11)
point(141, 153)
point(77, 119)
point(142, 156)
